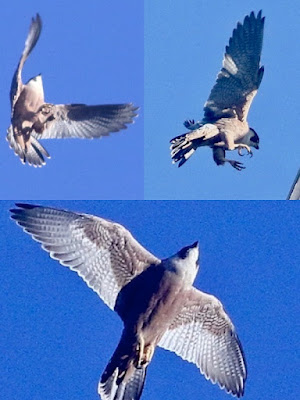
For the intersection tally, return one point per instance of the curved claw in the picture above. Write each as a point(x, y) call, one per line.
point(188, 122)
point(240, 152)
point(249, 151)
point(237, 165)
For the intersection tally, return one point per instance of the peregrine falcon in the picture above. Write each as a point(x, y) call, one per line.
point(224, 126)
point(33, 119)
point(155, 299)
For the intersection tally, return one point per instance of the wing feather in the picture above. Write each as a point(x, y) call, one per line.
point(202, 333)
point(32, 38)
point(103, 253)
point(240, 77)
point(88, 122)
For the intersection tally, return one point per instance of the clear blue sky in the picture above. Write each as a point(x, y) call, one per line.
point(184, 46)
point(89, 52)
point(57, 335)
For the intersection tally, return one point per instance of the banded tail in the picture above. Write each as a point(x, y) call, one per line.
point(181, 149)
point(34, 154)
point(122, 379)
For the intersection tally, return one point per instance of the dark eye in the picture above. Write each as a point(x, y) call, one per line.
point(183, 252)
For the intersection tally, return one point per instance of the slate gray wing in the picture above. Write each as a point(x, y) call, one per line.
point(32, 38)
point(103, 253)
point(82, 121)
point(294, 193)
point(239, 79)
point(203, 334)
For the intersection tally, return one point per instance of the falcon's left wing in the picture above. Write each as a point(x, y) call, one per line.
point(203, 334)
point(103, 253)
point(31, 40)
point(82, 121)
point(239, 79)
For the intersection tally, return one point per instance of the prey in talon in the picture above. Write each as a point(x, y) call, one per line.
point(224, 125)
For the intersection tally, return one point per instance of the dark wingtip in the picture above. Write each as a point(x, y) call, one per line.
point(22, 206)
point(38, 19)
point(26, 205)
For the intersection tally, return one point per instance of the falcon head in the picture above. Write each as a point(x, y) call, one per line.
point(185, 263)
point(253, 139)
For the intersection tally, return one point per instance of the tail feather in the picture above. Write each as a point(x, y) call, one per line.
point(181, 149)
point(183, 146)
point(33, 155)
point(122, 378)
point(115, 388)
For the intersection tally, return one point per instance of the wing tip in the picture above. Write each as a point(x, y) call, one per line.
point(37, 20)
point(22, 207)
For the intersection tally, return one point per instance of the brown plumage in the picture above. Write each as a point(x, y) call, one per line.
point(155, 299)
point(224, 126)
point(33, 119)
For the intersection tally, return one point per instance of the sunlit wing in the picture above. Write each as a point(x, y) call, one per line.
point(103, 253)
point(203, 334)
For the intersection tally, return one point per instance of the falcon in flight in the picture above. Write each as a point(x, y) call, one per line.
point(33, 119)
point(155, 299)
point(224, 126)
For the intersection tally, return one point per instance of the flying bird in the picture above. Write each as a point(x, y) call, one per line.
point(33, 119)
point(224, 126)
point(155, 299)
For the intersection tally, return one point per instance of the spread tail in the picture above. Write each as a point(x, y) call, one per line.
point(118, 387)
point(34, 153)
point(181, 149)
point(123, 379)
point(183, 146)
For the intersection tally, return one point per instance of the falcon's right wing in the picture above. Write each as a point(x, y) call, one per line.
point(103, 253)
point(241, 75)
point(202, 333)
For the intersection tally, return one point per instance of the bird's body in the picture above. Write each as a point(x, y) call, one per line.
point(155, 296)
point(33, 119)
point(224, 126)
point(30, 100)
point(155, 299)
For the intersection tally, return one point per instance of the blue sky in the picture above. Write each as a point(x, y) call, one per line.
point(89, 52)
point(184, 45)
point(57, 335)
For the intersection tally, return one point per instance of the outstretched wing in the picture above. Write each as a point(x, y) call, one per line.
point(239, 79)
point(82, 121)
point(203, 334)
point(32, 37)
point(103, 253)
